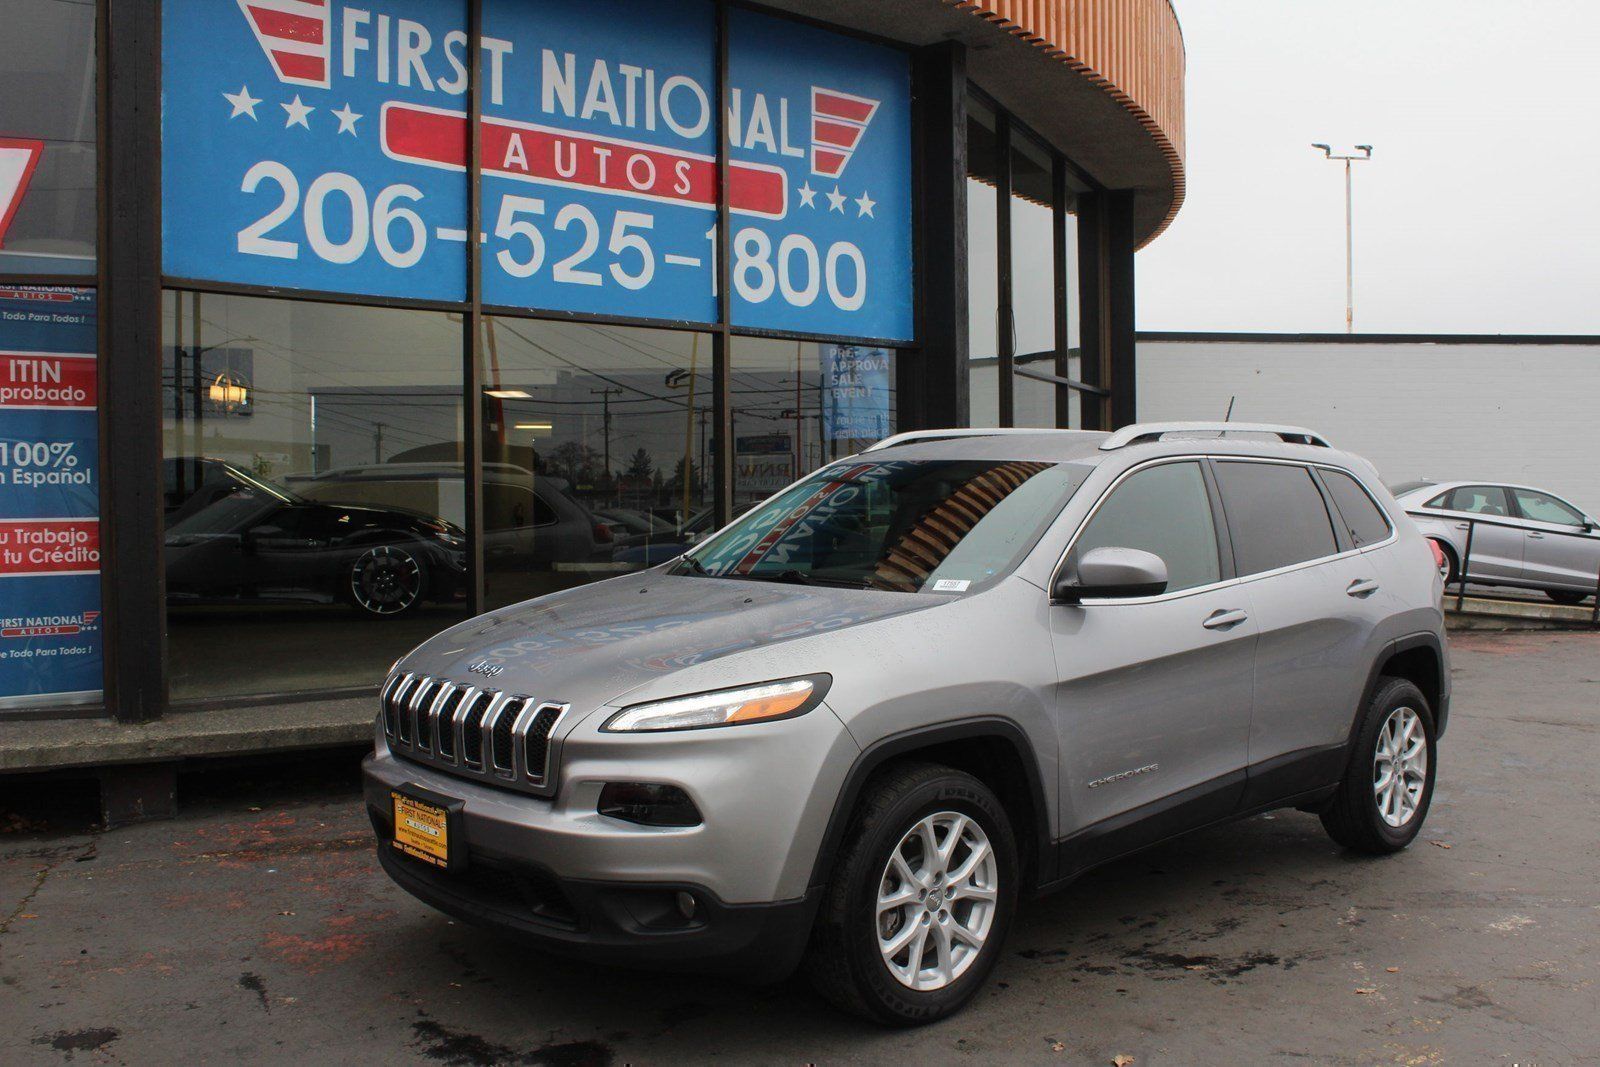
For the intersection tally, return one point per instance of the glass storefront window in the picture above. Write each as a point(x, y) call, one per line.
point(597, 452)
point(313, 490)
point(1033, 281)
point(983, 270)
point(798, 405)
point(47, 137)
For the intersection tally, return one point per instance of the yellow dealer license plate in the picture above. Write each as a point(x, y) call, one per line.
point(421, 829)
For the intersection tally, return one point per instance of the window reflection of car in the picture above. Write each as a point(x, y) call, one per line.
point(632, 527)
point(234, 537)
point(673, 544)
point(530, 520)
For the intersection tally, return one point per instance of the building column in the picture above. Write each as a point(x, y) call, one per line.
point(134, 586)
point(1106, 302)
point(932, 383)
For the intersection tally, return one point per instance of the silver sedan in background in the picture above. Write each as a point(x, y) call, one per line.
point(1521, 536)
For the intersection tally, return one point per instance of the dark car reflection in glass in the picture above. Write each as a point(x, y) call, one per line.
point(234, 537)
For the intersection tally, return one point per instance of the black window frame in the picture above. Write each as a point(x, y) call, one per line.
point(1321, 473)
point(1227, 567)
point(1341, 538)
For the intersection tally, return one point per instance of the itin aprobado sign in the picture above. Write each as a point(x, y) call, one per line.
point(323, 146)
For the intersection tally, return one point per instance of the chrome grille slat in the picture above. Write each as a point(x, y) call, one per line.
point(435, 705)
point(498, 738)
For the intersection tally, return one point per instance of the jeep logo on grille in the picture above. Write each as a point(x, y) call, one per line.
point(485, 668)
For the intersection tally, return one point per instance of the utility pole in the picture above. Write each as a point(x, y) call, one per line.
point(1349, 244)
point(605, 421)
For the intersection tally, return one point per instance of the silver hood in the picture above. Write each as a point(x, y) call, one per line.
point(652, 634)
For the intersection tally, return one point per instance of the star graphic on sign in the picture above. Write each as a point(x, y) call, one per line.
point(297, 113)
point(243, 103)
point(347, 120)
point(836, 200)
point(808, 195)
point(864, 205)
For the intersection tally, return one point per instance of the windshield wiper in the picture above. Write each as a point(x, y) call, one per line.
point(695, 566)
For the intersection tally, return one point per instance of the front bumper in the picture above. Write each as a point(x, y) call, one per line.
point(614, 923)
point(556, 870)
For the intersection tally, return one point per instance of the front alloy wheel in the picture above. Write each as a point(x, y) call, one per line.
point(936, 900)
point(919, 900)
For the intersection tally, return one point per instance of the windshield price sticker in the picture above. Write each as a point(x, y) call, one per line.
point(323, 146)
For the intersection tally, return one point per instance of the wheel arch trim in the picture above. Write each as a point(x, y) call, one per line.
point(907, 742)
point(1425, 639)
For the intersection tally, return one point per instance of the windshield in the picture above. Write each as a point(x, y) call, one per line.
point(942, 526)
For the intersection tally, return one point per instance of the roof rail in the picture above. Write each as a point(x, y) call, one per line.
point(1154, 431)
point(970, 431)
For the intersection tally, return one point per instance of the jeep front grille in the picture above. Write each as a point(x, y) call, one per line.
point(494, 737)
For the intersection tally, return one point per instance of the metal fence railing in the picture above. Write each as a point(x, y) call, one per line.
point(1464, 578)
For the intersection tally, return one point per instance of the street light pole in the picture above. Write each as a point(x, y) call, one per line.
point(1349, 242)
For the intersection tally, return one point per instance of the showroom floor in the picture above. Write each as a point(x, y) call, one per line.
point(257, 927)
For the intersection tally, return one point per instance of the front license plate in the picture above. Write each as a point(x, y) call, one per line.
point(421, 829)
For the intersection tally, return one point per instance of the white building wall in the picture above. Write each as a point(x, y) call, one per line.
point(1526, 413)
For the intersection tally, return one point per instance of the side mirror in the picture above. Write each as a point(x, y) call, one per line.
point(1112, 572)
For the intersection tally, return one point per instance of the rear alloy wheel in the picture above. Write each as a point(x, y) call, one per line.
point(921, 897)
point(387, 580)
point(1447, 566)
point(1381, 803)
point(1566, 596)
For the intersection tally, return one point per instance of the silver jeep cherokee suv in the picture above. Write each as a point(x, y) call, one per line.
point(860, 724)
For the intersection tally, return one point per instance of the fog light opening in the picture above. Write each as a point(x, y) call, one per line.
point(686, 904)
point(648, 804)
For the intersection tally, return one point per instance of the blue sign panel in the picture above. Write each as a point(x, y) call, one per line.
point(49, 497)
point(833, 115)
point(855, 393)
point(599, 158)
point(317, 145)
point(275, 167)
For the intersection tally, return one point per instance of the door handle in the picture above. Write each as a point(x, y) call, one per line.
point(1535, 536)
point(1463, 525)
point(1222, 619)
point(1361, 587)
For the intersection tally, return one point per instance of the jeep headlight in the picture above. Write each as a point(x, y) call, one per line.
point(724, 707)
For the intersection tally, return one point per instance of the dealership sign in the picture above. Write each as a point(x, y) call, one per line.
point(319, 145)
point(49, 497)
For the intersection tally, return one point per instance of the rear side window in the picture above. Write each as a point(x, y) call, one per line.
point(1479, 500)
point(1165, 510)
point(1361, 516)
point(1276, 515)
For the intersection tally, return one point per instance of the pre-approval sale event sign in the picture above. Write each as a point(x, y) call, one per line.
point(317, 144)
point(49, 498)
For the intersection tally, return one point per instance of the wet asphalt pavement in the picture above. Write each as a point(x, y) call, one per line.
point(258, 928)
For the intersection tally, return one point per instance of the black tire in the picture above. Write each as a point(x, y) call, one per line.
point(1566, 596)
point(1352, 817)
point(843, 960)
point(387, 581)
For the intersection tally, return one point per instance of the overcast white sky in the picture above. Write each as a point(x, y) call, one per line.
point(1479, 212)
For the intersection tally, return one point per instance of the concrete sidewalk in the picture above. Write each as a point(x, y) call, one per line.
point(257, 928)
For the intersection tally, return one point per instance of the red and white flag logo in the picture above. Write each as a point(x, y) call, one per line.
point(837, 122)
point(18, 158)
point(295, 35)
